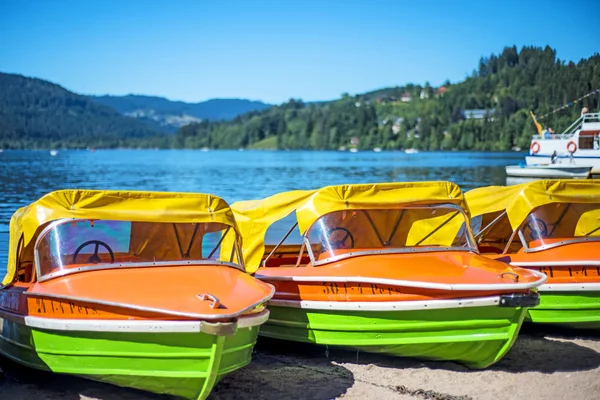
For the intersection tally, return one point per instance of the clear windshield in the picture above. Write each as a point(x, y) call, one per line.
point(558, 222)
point(86, 242)
point(408, 229)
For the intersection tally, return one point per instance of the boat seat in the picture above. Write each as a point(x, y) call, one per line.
point(25, 272)
point(275, 262)
point(490, 250)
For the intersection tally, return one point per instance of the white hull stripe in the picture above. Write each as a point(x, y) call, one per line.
point(96, 325)
point(415, 284)
point(387, 305)
point(249, 321)
point(570, 287)
point(555, 263)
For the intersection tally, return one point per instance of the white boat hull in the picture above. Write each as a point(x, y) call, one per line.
point(548, 171)
point(579, 145)
point(578, 161)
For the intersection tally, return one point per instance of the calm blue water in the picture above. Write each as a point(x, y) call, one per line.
point(234, 175)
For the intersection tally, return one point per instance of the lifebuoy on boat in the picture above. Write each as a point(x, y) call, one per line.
point(535, 147)
point(571, 147)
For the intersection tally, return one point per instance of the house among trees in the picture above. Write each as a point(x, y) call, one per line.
point(396, 125)
point(441, 90)
point(406, 97)
point(479, 114)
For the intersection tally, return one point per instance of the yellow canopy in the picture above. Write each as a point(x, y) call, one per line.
point(376, 196)
point(520, 200)
point(254, 217)
point(27, 222)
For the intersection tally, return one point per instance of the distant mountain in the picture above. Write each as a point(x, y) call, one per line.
point(39, 114)
point(174, 114)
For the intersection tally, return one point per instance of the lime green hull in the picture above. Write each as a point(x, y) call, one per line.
point(571, 309)
point(474, 336)
point(180, 364)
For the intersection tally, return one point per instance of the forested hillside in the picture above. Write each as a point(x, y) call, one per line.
point(38, 114)
point(487, 111)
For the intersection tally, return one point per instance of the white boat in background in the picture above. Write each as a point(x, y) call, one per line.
point(377, 149)
point(353, 150)
point(53, 152)
point(578, 145)
point(548, 171)
point(411, 151)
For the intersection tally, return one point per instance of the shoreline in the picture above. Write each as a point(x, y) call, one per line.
point(548, 364)
point(273, 150)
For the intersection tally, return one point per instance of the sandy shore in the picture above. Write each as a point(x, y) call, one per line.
point(542, 364)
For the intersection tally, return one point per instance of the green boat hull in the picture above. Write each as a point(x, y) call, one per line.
point(570, 309)
point(474, 336)
point(180, 364)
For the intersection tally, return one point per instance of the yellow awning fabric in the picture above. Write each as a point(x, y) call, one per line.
point(27, 221)
point(376, 196)
point(254, 217)
point(519, 200)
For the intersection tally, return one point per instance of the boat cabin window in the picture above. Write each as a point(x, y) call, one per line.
point(284, 240)
point(350, 231)
point(588, 140)
point(25, 269)
point(80, 243)
point(560, 222)
point(492, 232)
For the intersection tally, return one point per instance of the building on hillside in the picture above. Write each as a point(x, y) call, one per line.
point(441, 90)
point(406, 97)
point(424, 94)
point(396, 125)
point(479, 114)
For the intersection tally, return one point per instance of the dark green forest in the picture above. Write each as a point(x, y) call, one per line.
point(506, 86)
point(39, 114)
point(502, 89)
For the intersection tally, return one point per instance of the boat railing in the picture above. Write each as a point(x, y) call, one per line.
point(553, 136)
point(591, 117)
point(572, 129)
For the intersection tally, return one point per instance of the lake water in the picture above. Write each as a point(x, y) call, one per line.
point(234, 175)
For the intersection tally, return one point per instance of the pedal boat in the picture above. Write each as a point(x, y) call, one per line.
point(552, 227)
point(130, 288)
point(386, 268)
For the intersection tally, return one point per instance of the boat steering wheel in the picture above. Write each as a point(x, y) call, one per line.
point(94, 258)
point(339, 244)
point(538, 229)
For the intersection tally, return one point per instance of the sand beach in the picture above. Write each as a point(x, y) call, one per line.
point(544, 364)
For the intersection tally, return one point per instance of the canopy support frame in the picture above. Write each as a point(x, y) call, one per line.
point(479, 234)
point(289, 232)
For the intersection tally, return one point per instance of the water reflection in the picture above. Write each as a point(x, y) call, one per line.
point(234, 175)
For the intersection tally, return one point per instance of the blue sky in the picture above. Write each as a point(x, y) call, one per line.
point(274, 50)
